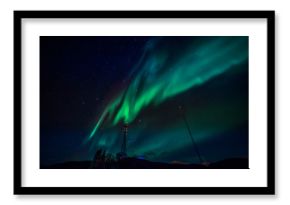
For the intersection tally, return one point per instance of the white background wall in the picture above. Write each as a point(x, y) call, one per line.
point(282, 98)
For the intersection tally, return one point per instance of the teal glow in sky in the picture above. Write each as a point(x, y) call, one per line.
point(165, 72)
point(207, 76)
point(92, 85)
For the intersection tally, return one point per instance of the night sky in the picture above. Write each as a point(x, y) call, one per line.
point(91, 86)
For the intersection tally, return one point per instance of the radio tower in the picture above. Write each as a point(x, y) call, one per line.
point(190, 134)
point(124, 144)
point(123, 153)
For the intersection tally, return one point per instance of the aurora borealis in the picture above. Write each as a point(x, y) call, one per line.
point(91, 86)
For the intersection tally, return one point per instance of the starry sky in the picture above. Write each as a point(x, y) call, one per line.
point(91, 86)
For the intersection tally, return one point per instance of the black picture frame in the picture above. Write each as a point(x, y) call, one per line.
point(268, 15)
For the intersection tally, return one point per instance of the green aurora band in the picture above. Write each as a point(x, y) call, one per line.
point(169, 68)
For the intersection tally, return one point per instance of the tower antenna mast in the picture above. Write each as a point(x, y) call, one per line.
point(124, 142)
point(190, 134)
